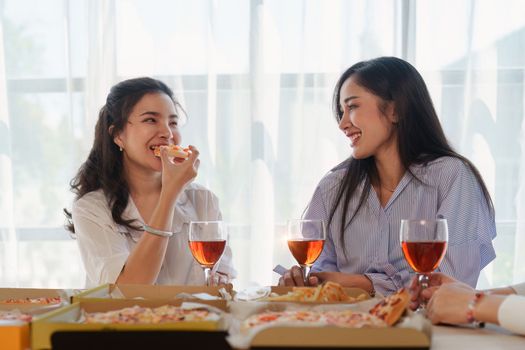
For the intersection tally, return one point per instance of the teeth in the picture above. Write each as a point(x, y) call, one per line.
point(355, 136)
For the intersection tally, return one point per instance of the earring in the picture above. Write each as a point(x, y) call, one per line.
point(120, 148)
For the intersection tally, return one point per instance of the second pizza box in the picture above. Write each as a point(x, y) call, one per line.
point(69, 318)
point(20, 305)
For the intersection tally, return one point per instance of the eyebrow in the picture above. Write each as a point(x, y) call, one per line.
point(349, 99)
point(157, 114)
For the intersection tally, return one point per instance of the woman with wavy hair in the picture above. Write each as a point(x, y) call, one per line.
point(401, 167)
point(132, 207)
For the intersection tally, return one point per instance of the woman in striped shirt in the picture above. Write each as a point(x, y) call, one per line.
point(401, 167)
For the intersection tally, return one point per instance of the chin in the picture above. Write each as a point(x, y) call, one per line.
point(358, 155)
point(157, 166)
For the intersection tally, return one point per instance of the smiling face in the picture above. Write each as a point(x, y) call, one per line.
point(152, 122)
point(371, 129)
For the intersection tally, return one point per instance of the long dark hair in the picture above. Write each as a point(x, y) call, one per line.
point(420, 137)
point(103, 168)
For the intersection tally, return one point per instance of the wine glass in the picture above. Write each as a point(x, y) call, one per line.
point(306, 240)
point(424, 243)
point(207, 240)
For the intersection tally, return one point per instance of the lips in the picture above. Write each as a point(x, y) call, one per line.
point(153, 147)
point(354, 137)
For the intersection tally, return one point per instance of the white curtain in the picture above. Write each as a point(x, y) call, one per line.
point(256, 80)
point(8, 241)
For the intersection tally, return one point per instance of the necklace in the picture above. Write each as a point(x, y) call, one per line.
point(388, 189)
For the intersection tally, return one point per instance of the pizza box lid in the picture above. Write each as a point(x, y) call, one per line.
point(107, 292)
point(64, 319)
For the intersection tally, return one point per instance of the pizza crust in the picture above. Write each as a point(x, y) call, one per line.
point(175, 151)
point(392, 307)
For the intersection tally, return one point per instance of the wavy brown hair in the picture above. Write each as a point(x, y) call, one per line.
point(103, 168)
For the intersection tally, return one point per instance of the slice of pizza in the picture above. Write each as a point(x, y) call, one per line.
point(175, 151)
point(392, 307)
point(39, 300)
point(332, 292)
point(298, 294)
point(307, 293)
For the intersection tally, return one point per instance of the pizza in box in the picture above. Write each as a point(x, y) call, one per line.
point(146, 315)
point(384, 314)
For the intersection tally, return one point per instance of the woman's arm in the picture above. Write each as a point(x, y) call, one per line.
point(471, 223)
point(457, 303)
point(452, 302)
point(145, 260)
point(144, 263)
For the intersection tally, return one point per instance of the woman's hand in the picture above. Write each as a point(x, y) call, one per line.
point(294, 277)
point(219, 279)
point(175, 175)
point(435, 281)
point(449, 303)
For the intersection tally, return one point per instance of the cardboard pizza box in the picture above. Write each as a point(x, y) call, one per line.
point(67, 319)
point(16, 334)
point(107, 292)
point(19, 294)
point(334, 337)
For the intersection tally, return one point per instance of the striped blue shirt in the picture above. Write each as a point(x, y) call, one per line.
point(449, 189)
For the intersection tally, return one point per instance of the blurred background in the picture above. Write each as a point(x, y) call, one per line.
point(256, 79)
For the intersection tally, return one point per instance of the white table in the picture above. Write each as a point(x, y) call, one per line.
point(490, 338)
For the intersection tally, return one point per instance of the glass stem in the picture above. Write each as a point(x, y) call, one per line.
point(306, 273)
point(207, 275)
point(423, 279)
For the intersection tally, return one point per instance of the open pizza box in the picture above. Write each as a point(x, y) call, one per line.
point(14, 334)
point(27, 299)
point(69, 318)
point(411, 331)
point(107, 292)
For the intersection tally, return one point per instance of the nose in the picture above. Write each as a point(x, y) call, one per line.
point(165, 130)
point(345, 122)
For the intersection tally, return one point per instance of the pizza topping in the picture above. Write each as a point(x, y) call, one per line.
point(162, 314)
point(15, 315)
point(43, 300)
point(345, 318)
